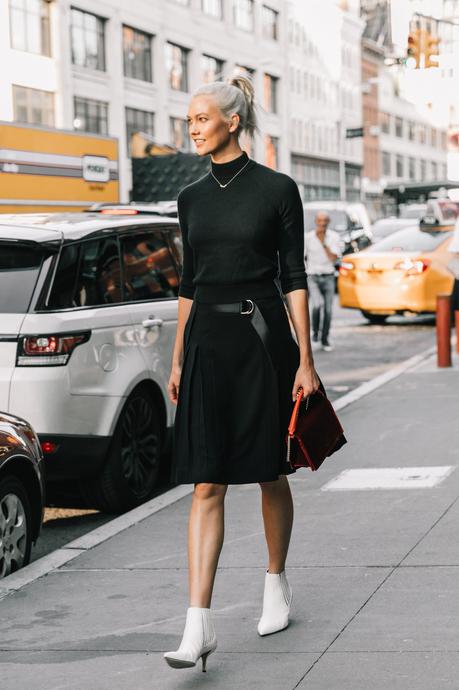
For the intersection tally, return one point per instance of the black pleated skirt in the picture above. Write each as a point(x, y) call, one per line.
point(235, 394)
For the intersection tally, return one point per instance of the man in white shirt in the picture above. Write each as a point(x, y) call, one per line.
point(322, 248)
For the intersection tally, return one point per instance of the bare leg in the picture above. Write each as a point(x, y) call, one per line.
point(277, 509)
point(205, 540)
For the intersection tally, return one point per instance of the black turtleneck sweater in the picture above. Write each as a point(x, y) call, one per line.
point(250, 231)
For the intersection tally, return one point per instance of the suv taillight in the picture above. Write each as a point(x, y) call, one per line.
point(49, 350)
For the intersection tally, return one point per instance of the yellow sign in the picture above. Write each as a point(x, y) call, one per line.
point(44, 169)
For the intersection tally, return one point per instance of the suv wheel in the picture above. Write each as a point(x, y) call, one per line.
point(132, 466)
point(375, 318)
point(15, 526)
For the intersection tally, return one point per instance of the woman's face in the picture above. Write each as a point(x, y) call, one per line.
point(209, 131)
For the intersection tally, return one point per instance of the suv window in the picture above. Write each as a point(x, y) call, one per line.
point(149, 269)
point(88, 275)
point(19, 269)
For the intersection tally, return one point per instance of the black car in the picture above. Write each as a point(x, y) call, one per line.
point(22, 492)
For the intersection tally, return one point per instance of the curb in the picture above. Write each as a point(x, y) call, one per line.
point(47, 564)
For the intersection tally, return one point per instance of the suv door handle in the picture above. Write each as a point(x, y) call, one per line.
point(151, 321)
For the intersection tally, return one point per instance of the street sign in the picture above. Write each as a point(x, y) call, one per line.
point(354, 132)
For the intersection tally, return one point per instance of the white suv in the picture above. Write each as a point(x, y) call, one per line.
point(88, 315)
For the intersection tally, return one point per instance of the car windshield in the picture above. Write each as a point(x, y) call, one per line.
point(410, 239)
point(19, 269)
point(338, 219)
point(415, 212)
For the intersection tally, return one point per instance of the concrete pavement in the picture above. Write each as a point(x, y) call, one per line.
point(374, 574)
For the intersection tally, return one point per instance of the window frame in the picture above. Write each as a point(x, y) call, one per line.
point(100, 33)
point(147, 54)
point(44, 27)
point(29, 91)
point(100, 104)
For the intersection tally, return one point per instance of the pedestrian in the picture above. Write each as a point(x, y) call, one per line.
point(236, 367)
point(322, 248)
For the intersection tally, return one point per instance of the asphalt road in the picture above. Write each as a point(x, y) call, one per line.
point(361, 352)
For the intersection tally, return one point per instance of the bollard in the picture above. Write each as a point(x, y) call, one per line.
point(456, 316)
point(443, 330)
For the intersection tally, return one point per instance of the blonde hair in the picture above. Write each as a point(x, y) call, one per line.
point(234, 95)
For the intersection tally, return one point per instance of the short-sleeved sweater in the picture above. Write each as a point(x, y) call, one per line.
point(251, 231)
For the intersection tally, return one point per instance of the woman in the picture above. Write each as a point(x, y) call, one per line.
point(236, 368)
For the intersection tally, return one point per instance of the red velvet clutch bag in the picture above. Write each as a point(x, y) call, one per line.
point(314, 432)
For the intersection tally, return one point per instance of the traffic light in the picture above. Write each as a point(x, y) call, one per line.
point(431, 51)
point(413, 51)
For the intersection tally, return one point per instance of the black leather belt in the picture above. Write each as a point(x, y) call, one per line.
point(244, 306)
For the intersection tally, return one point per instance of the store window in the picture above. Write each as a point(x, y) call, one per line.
point(137, 54)
point(177, 66)
point(270, 23)
point(243, 14)
point(33, 106)
point(29, 26)
point(88, 40)
point(211, 68)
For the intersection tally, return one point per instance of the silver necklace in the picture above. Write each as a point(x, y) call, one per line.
point(239, 171)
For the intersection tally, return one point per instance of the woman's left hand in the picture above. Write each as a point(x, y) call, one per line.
point(307, 378)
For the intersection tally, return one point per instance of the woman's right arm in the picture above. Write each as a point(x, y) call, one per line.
point(184, 308)
point(185, 302)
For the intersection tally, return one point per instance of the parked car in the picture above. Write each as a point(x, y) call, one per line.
point(88, 315)
point(349, 219)
point(22, 492)
point(402, 272)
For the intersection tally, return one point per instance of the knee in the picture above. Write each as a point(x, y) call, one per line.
point(205, 490)
point(275, 486)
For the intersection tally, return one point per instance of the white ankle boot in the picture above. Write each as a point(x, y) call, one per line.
point(277, 598)
point(198, 641)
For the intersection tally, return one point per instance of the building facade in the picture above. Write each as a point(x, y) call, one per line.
point(116, 68)
point(324, 84)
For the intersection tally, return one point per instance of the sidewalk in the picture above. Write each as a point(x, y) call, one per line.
point(374, 572)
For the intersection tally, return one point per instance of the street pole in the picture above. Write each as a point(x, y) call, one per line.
point(342, 163)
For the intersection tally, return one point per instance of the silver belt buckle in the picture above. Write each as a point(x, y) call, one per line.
point(252, 306)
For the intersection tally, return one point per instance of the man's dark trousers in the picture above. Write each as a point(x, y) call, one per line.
point(321, 287)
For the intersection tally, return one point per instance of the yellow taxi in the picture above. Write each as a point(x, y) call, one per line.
point(403, 272)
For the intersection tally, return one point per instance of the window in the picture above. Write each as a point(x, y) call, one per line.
point(137, 54)
point(246, 71)
point(398, 127)
point(410, 239)
point(149, 269)
point(399, 166)
point(270, 23)
point(138, 121)
point(177, 66)
point(433, 136)
point(434, 169)
point(179, 133)
point(88, 275)
point(90, 115)
point(29, 26)
point(270, 93)
point(411, 130)
point(214, 8)
point(19, 270)
point(211, 68)
point(412, 168)
point(88, 40)
point(272, 151)
point(243, 14)
point(386, 164)
point(421, 134)
point(33, 106)
point(423, 170)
